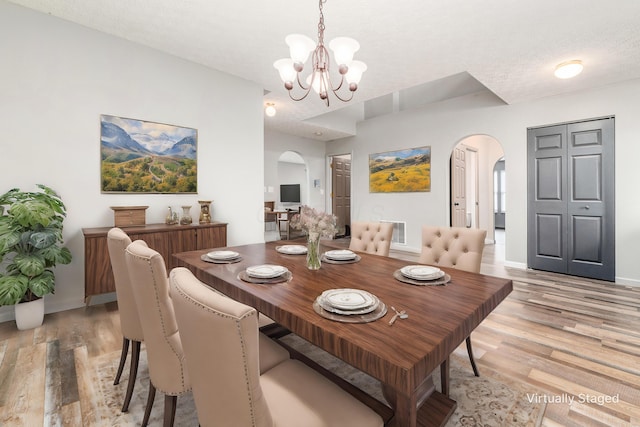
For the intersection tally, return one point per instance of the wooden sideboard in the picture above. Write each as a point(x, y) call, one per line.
point(166, 239)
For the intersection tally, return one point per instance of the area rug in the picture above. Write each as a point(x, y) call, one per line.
point(482, 401)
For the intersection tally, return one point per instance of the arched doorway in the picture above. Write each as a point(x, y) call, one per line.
point(292, 172)
point(472, 183)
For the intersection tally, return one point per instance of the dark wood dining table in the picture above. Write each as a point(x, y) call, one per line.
point(403, 355)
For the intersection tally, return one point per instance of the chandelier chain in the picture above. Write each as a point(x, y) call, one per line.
point(321, 25)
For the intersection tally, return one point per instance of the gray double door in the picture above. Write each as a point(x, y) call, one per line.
point(571, 199)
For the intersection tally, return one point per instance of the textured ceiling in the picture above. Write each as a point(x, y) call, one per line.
point(510, 47)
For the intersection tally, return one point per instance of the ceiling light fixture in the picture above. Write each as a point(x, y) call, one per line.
point(568, 69)
point(301, 46)
point(270, 110)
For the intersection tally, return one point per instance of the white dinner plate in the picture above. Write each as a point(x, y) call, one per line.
point(266, 271)
point(326, 306)
point(340, 254)
point(222, 255)
point(347, 299)
point(292, 249)
point(421, 272)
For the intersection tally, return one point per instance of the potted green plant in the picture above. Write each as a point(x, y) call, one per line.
point(31, 245)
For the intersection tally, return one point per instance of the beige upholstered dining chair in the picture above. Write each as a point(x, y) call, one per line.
point(454, 247)
point(165, 358)
point(229, 389)
point(371, 237)
point(117, 242)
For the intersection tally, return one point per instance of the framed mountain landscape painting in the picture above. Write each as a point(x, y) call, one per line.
point(400, 171)
point(139, 156)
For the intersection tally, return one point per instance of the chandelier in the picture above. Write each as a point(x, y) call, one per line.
point(300, 46)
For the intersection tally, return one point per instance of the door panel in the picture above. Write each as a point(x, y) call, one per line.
point(458, 198)
point(571, 199)
point(549, 182)
point(549, 239)
point(547, 193)
point(591, 204)
point(587, 178)
point(341, 191)
point(587, 239)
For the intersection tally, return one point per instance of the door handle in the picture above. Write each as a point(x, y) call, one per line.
point(456, 204)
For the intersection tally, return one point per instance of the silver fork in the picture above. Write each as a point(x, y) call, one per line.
point(401, 314)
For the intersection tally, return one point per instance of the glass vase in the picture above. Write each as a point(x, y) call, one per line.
point(313, 251)
point(186, 219)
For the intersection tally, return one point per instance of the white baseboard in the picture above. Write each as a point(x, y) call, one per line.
point(627, 282)
point(513, 264)
point(7, 313)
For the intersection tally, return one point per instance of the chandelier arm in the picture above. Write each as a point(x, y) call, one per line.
point(334, 90)
point(302, 97)
point(300, 85)
point(341, 98)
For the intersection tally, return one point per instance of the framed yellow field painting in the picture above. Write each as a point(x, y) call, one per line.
point(138, 156)
point(406, 170)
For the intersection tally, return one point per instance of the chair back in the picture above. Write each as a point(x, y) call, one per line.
point(165, 357)
point(455, 247)
point(117, 242)
point(225, 365)
point(371, 237)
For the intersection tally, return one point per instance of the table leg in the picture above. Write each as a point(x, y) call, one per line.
point(445, 377)
point(425, 407)
point(405, 408)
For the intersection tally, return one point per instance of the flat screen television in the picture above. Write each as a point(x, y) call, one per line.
point(290, 193)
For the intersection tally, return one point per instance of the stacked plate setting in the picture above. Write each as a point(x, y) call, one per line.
point(292, 249)
point(421, 272)
point(340, 255)
point(223, 255)
point(266, 271)
point(348, 301)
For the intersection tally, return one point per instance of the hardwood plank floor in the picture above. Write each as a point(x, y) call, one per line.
point(574, 341)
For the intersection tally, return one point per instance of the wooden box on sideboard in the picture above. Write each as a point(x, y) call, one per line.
point(124, 216)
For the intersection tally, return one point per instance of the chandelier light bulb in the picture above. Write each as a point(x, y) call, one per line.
point(343, 49)
point(356, 69)
point(300, 46)
point(286, 70)
point(569, 69)
point(319, 82)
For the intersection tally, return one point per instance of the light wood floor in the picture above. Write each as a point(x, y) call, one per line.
point(575, 342)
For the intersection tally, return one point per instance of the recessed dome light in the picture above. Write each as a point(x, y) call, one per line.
point(270, 110)
point(568, 69)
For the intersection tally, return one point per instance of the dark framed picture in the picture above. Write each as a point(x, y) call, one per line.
point(139, 156)
point(406, 170)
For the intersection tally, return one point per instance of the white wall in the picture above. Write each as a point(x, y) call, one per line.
point(444, 124)
point(58, 77)
point(313, 153)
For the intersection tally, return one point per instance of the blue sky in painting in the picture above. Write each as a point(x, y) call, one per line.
point(403, 154)
point(156, 137)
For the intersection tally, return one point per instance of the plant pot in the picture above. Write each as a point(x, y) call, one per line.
point(30, 314)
